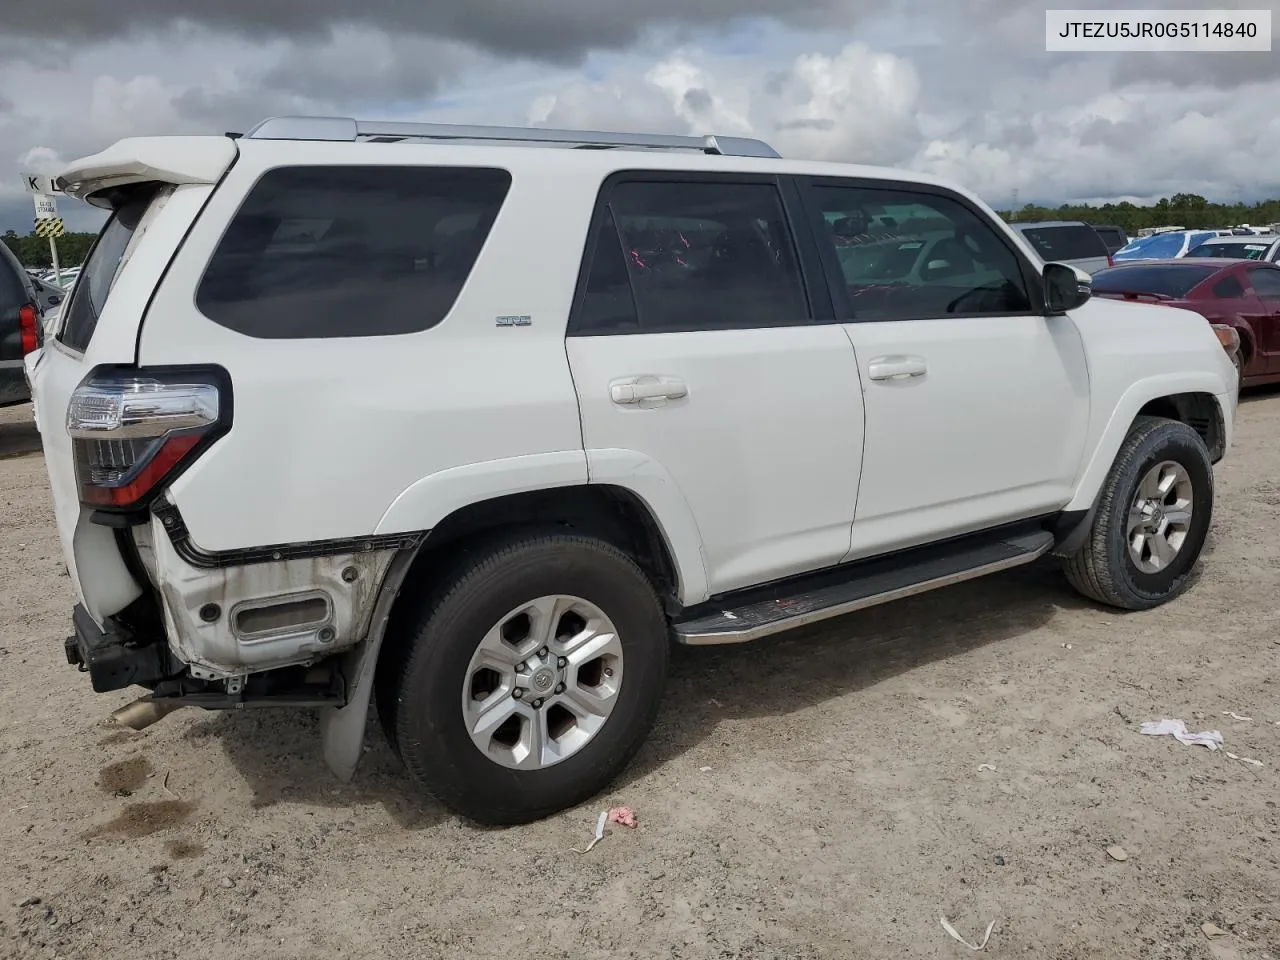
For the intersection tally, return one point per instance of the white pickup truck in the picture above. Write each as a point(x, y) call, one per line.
point(476, 421)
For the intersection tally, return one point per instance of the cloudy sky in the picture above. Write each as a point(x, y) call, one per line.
point(960, 88)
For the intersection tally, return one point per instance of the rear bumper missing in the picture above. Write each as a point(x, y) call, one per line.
point(114, 657)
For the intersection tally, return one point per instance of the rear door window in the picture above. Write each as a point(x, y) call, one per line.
point(1164, 280)
point(676, 256)
point(1066, 243)
point(99, 272)
point(350, 251)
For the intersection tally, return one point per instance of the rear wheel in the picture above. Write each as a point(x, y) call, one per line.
point(1152, 519)
point(532, 680)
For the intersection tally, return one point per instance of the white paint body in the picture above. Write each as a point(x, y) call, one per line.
point(783, 457)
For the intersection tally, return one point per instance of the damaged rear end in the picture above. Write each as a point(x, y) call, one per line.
point(222, 628)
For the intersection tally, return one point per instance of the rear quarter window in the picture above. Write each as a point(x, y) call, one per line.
point(351, 251)
point(1166, 280)
point(1066, 243)
point(89, 295)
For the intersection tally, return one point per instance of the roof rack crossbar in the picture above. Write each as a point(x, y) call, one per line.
point(347, 129)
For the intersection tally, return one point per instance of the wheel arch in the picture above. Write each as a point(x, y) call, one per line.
point(617, 514)
point(1199, 401)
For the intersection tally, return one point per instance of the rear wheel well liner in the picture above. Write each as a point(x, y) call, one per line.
point(611, 513)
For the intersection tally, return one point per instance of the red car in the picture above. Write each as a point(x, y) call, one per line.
point(1242, 295)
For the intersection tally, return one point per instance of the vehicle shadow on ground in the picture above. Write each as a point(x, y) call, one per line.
point(1255, 394)
point(18, 439)
point(278, 751)
point(778, 677)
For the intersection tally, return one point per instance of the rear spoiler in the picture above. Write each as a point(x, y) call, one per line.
point(175, 160)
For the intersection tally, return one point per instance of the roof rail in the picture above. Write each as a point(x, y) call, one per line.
point(347, 129)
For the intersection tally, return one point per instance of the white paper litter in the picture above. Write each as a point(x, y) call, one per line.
point(952, 930)
point(1248, 760)
point(1236, 716)
point(1178, 730)
point(986, 766)
point(600, 822)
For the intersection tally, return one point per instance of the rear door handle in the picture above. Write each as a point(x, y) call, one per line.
point(897, 367)
point(640, 389)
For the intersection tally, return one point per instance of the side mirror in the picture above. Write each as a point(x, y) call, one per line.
point(1065, 287)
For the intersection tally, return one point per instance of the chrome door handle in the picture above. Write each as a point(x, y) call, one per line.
point(897, 367)
point(639, 389)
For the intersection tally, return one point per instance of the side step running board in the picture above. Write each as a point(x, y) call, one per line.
point(856, 587)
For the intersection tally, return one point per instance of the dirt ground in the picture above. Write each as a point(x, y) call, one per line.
point(969, 754)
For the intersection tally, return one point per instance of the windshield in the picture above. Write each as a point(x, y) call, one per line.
point(1077, 242)
point(1236, 251)
point(1163, 279)
point(95, 278)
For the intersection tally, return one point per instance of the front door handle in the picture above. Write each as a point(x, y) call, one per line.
point(897, 367)
point(640, 389)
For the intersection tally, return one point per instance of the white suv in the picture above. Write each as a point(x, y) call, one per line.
point(475, 421)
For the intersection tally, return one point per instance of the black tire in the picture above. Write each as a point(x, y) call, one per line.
point(421, 676)
point(1103, 569)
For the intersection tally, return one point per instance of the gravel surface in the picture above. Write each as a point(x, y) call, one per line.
point(973, 754)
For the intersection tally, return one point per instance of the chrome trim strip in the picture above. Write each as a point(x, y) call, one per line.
point(862, 603)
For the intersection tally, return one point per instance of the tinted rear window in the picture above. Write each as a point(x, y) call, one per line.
point(1236, 251)
point(1066, 243)
point(1168, 280)
point(100, 269)
point(350, 251)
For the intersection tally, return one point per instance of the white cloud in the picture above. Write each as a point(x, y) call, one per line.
point(962, 88)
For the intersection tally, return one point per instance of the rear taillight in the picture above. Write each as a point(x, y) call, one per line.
point(133, 430)
point(1111, 261)
point(29, 325)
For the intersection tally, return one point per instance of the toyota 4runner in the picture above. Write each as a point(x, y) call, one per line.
point(473, 422)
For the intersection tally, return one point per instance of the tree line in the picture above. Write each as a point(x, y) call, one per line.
point(1182, 209)
point(33, 251)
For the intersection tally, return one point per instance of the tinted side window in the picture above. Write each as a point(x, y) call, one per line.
point(607, 305)
point(911, 256)
point(698, 256)
point(1228, 288)
point(1266, 283)
point(1065, 243)
point(350, 251)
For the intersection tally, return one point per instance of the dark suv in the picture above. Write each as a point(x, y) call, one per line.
point(21, 330)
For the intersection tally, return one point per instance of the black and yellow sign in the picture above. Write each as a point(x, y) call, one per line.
point(49, 227)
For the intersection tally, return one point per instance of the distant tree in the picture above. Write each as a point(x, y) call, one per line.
point(33, 251)
point(1184, 209)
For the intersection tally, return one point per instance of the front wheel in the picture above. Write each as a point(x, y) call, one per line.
point(532, 680)
point(1152, 519)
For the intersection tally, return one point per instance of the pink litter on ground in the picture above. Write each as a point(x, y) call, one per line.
point(623, 816)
